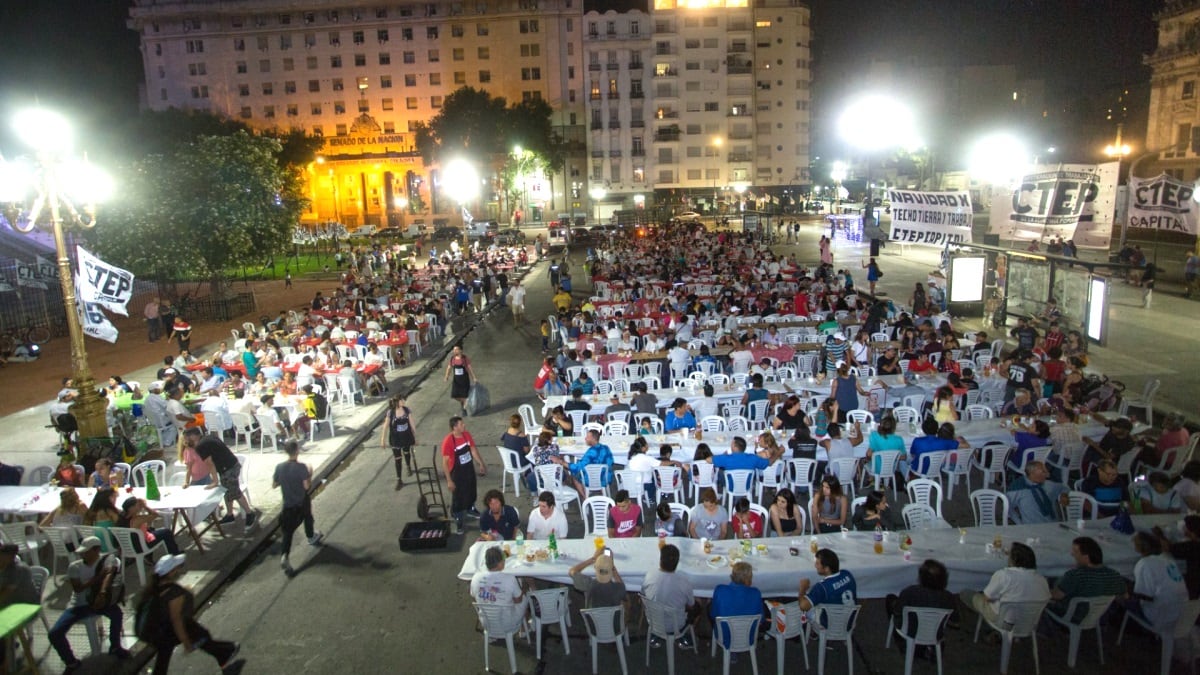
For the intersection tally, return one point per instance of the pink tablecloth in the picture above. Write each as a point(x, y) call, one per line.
point(782, 353)
point(606, 359)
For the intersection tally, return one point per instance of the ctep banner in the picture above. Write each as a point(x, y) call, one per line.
point(1162, 203)
point(103, 284)
point(931, 218)
point(1072, 201)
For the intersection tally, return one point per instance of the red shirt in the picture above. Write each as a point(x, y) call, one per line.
point(1052, 370)
point(1053, 339)
point(455, 447)
point(917, 366)
point(749, 528)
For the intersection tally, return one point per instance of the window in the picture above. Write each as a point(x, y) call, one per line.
point(1189, 90)
point(385, 58)
point(310, 40)
point(483, 53)
point(389, 127)
point(460, 77)
point(243, 90)
point(411, 103)
point(410, 80)
point(337, 84)
point(382, 35)
point(570, 72)
point(712, 106)
point(360, 60)
point(456, 30)
point(269, 111)
point(268, 89)
point(528, 74)
point(434, 56)
point(385, 81)
point(314, 109)
point(262, 43)
point(485, 76)
point(431, 32)
point(197, 47)
point(570, 25)
point(339, 107)
point(245, 112)
point(358, 37)
point(381, 13)
point(311, 62)
point(710, 22)
point(481, 29)
point(239, 45)
point(162, 72)
point(335, 62)
point(363, 106)
point(318, 130)
point(531, 95)
point(388, 104)
point(264, 66)
point(340, 130)
point(332, 16)
point(285, 19)
point(410, 57)
point(634, 28)
point(406, 34)
point(289, 64)
point(162, 94)
point(435, 79)
point(571, 97)
point(195, 69)
point(335, 39)
point(531, 50)
point(285, 41)
point(289, 87)
point(235, 22)
point(635, 88)
point(593, 31)
point(529, 26)
point(457, 53)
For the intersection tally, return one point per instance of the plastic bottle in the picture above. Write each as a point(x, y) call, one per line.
point(878, 539)
point(152, 493)
point(553, 546)
point(520, 540)
point(1136, 499)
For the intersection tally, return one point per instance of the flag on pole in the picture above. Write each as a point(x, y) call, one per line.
point(103, 284)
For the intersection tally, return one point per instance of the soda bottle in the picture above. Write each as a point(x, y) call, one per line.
point(878, 539)
point(152, 493)
point(553, 546)
point(520, 540)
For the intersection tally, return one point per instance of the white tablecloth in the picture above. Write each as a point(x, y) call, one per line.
point(778, 574)
point(196, 500)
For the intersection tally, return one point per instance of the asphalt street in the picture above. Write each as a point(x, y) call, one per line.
point(359, 604)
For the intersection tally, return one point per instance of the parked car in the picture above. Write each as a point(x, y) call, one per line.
point(510, 237)
point(388, 233)
point(581, 234)
point(446, 234)
point(688, 216)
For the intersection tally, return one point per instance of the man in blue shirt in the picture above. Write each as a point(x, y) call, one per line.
point(597, 453)
point(936, 439)
point(739, 598)
point(836, 587)
point(738, 459)
point(679, 416)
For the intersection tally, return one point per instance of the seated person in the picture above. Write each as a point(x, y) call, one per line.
point(210, 381)
point(679, 416)
point(1022, 405)
point(137, 515)
point(625, 517)
point(877, 512)
point(1157, 495)
point(498, 522)
point(745, 524)
point(1108, 487)
point(739, 598)
point(576, 402)
point(584, 383)
point(929, 592)
point(1089, 578)
point(836, 587)
point(1033, 497)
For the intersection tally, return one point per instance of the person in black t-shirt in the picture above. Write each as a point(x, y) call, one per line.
point(1026, 335)
point(223, 463)
point(1021, 375)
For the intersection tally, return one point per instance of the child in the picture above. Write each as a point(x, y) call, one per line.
point(645, 428)
point(667, 524)
point(545, 335)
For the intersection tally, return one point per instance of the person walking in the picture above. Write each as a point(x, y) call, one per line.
point(516, 298)
point(400, 436)
point(873, 273)
point(153, 321)
point(1191, 268)
point(287, 279)
point(294, 479)
point(460, 366)
point(460, 456)
point(166, 618)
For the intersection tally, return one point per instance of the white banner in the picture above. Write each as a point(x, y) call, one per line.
point(6, 287)
point(46, 269)
point(106, 285)
point(27, 276)
point(91, 316)
point(1072, 201)
point(1162, 203)
point(932, 218)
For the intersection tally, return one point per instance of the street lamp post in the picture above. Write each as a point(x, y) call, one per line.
point(717, 141)
point(597, 194)
point(53, 179)
point(875, 123)
point(461, 182)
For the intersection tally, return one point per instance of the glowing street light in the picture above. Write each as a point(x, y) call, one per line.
point(874, 123)
point(460, 180)
point(998, 158)
point(597, 193)
point(57, 183)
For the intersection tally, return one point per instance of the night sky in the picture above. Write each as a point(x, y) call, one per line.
point(78, 55)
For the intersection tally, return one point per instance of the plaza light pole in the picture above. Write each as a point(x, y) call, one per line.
point(998, 158)
point(461, 182)
point(838, 174)
point(56, 183)
point(597, 194)
point(716, 144)
point(874, 123)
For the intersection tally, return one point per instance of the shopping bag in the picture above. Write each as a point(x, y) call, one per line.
point(478, 399)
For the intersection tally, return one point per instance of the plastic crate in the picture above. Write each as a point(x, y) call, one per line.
point(421, 535)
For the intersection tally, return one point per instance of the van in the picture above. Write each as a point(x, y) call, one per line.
point(483, 229)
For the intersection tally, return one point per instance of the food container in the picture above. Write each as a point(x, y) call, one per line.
point(422, 535)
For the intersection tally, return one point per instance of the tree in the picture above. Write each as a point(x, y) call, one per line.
point(214, 204)
point(471, 122)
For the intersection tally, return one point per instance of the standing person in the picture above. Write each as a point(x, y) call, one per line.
point(1148, 277)
point(516, 297)
point(294, 479)
point(181, 330)
point(287, 279)
point(169, 611)
point(399, 434)
point(153, 322)
point(97, 585)
point(223, 464)
point(873, 273)
point(1191, 268)
point(460, 366)
point(460, 457)
point(166, 317)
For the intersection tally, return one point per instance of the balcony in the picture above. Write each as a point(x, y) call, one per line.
point(670, 72)
point(614, 124)
point(595, 67)
point(637, 94)
point(597, 154)
point(596, 126)
point(739, 70)
point(666, 92)
point(636, 65)
point(740, 135)
point(667, 115)
point(737, 49)
point(666, 135)
point(664, 51)
point(637, 124)
point(638, 152)
point(614, 153)
point(612, 66)
point(595, 96)
point(614, 95)
point(739, 157)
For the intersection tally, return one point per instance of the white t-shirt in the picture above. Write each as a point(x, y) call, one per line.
point(174, 409)
point(679, 356)
point(706, 406)
point(1016, 584)
point(1187, 489)
point(741, 360)
point(498, 588)
point(83, 573)
point(643, 464)
point(1158, 577)
point(541, 527)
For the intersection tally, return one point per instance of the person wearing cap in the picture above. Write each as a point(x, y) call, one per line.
point(136, 514)
point(96, 581)
point(494, 586)
point(836, 349)
point(616, 406)
point(225, 465)
point(888, 362)
point(607, 589)
point(169, 609)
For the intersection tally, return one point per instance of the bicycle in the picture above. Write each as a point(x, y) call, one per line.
point(28, 334)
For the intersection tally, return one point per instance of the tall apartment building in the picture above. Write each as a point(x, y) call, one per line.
point(1174, 118)
point(362, 73)
point(730, 99)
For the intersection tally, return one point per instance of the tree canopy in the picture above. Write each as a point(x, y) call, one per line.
point(207, 206)
point(475, 124)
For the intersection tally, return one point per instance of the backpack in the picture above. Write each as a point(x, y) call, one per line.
point(116, 590)
point(147, 625)
point(321, 405)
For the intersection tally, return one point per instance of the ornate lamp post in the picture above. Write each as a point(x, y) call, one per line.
point(52, 184)
point(461, 182)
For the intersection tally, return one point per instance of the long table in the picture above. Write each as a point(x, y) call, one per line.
point(778, 574)
point(194, 504)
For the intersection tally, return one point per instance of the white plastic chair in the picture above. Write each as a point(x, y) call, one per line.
point(756, 413)
point(268, 431)
point(578, 420)
point(511, 460)
point(349, 390)
point(656, 423)
point(704, 475)
point(743, 637)
point(833, 623)
point(138, 473)
point(595, 516)
point(738, 423)
point(669, 481)
point(243, 468)
point(887, 470)
point(244, 425)
point(632, 482)
point(932, 463)
point(738, 483)
point(550, 479)
point(1017, 620)
point(1080, 506)
point(315, 424)
point(1182, 630)
point(990, 461)
point(601, 630)
point(787, 622)
point(930, 622)
point(1038, 454)
point(844, 468)
point(773, 478)
point(919, 517)
point(529, 418)
point(802, 473)
point(1096, 607)
point(63, 542)
point(990, 508)
point(133, 545)
point(615, 428)
point(978, 412)
point(863, 417)
point(928, 492)
point(669, 624)
point(905, 416)
point(713, 423)
point(500, 621)
point(549, 607)
point(961, 469)
point(40, 575)
point(1145, 400)
point(596, 476)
